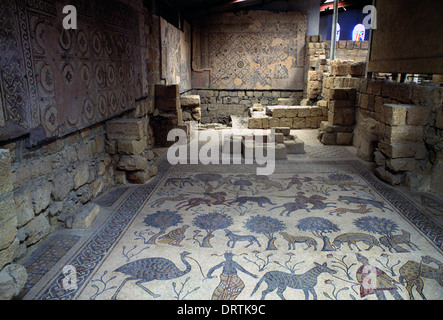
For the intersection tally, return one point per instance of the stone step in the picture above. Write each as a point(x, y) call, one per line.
point(86, 216)
point(294, 146)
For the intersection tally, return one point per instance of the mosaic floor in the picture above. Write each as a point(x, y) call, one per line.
point(321, 227)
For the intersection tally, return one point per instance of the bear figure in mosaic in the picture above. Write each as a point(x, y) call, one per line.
point(260, 201)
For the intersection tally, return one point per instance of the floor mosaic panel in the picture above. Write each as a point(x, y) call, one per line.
point(313, 230)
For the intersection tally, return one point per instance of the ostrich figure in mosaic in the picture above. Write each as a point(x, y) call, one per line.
point(149, 269)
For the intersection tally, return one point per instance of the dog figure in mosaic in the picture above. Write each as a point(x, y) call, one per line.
point(377, 204)
point(233, 238)
point(292, 240)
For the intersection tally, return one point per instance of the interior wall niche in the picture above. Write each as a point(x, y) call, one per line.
point(55, 81)
point(251, 50)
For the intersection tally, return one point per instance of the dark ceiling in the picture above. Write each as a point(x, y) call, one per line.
point(176, 10)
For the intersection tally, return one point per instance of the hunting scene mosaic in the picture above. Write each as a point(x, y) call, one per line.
point(327, 233)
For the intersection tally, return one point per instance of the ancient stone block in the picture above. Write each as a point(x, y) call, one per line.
point(41, 197)
point(401, 164)
point(403, 133)
point(280, 151)
point(279, 137)
point(340, 68)
point(334, 105)
point(286, 101)
point(23, 203)
point(397, 150)
point(170, 91)
point(285, 130)
point(345, 117)
point(196, 114)
point(126, 129)
point(81, 175)
point(120, 177)
point(167, 104)
point(342, 94)
point(12, 280)
point(357, 69)
point(191, 101)
point(132, 163)
point(299, 123)
point(344, 138)
point(436, 184)
point(328, 138)
point(97, 186)
point(379, 158)
point(394, 114)
point(311, 122)
point(294, 146)
point(5, 171)
point(131, 147)
point(291, 112)
point(86, 216)
point(316, 111)
point(367, 101)
point(255, 123)
point(279, 112)
point(404, 93)
point(274, 122)
point(286, 122)
point(392, 179)
point(63, 183)
point(304, 112)
point(417, 115)
point(38, 228)
point(8, 231)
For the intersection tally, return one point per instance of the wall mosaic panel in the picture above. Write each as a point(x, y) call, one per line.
point(252, 50)
point(56, 81)
point(176, 54)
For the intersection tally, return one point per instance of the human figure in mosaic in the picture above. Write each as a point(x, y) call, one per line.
point(174, 237)
point(230, 285)
point(373, 280)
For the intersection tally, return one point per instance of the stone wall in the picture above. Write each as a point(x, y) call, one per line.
point(318, 64)
point(400, 127)
point(219, 105)
point(339, 91)
point(52, 185)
